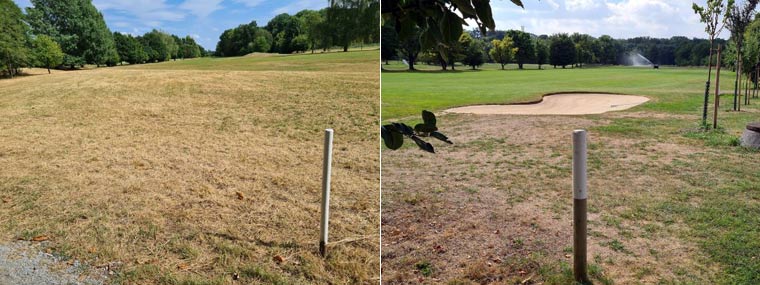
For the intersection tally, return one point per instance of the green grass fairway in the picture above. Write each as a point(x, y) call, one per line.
point(673, 90)
point(668, 203)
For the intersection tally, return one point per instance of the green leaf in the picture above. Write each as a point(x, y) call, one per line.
point(465, 7)
point(483, 9)
point(451, 27)
point(403, 129)
point(392, 138)
point(441, 136)
point(518, 3)
point(423, 128)
point(428, 118)
point(426, 146)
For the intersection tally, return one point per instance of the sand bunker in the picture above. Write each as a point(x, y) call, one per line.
point(561, 104)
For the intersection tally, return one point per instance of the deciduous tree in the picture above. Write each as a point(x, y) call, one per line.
point(562, 50)
point(13, 38)
point(502, 51)
point(47, 52)
point(526, 49)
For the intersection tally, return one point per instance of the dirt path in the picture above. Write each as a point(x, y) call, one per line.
point(561, 104)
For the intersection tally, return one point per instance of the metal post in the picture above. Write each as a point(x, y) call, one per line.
point(580, 195)
point(717, 92)
point(326, 172)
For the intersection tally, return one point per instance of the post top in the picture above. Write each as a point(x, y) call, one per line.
point(329, 130)
point(578, 131)
point(755, 127)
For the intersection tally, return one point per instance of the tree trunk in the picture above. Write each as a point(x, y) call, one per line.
point(502, 66)
point(707, 85)
point(345, 48)
point(519, 65)
point(738, 74)
point(736, 79)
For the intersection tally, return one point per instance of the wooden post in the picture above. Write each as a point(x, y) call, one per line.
point(326, 172)
point(717, 91)
point(580, 195)
point(738, 103)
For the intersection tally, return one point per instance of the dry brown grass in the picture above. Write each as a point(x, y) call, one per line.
point(144, 170)
point(496, 207)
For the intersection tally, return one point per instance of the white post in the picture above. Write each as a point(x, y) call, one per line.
point(326, 172)
point(580, 195)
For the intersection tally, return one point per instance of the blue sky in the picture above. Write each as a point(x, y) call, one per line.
point(617, 18)
point(204, 20)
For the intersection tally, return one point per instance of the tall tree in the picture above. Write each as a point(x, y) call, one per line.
point(190, 49)
point(129, 48)
point(502, 51)
point(542, 53)
point(389, 43)
point(737, 18)
point(526, 48)
point(13, 39)
point(158, 45)
point(583, 48)
point(352, 20)
point(284, 28)
point(562, 50)
point(711, 17)
point(78, 27)
point(607, 50)
point(311, 22)
point(410, 48)
point(47, 52)
point(474, 51)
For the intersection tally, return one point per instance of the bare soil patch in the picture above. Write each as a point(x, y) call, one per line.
point(496, 207)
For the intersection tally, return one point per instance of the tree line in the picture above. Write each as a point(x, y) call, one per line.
point(340, 24)
point(560, 50)
point(72, 33)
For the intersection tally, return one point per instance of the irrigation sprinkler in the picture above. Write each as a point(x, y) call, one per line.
point(326, 172)
point(580, 195)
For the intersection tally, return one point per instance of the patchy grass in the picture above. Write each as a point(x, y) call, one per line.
point(188, 172)
point(668, 203)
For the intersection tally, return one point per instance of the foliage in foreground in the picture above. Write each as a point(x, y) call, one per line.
point(393, 134)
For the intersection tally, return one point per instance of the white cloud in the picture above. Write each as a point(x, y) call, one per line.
point(554, 4)
point(201, 8)
point(143, 10)
point(574, 5)
point(618, 18)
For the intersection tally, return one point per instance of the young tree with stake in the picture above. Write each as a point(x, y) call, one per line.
point(711, 16)
point(737, 19)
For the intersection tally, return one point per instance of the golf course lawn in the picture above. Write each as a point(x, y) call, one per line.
point(199, 171)
point(668, 203)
